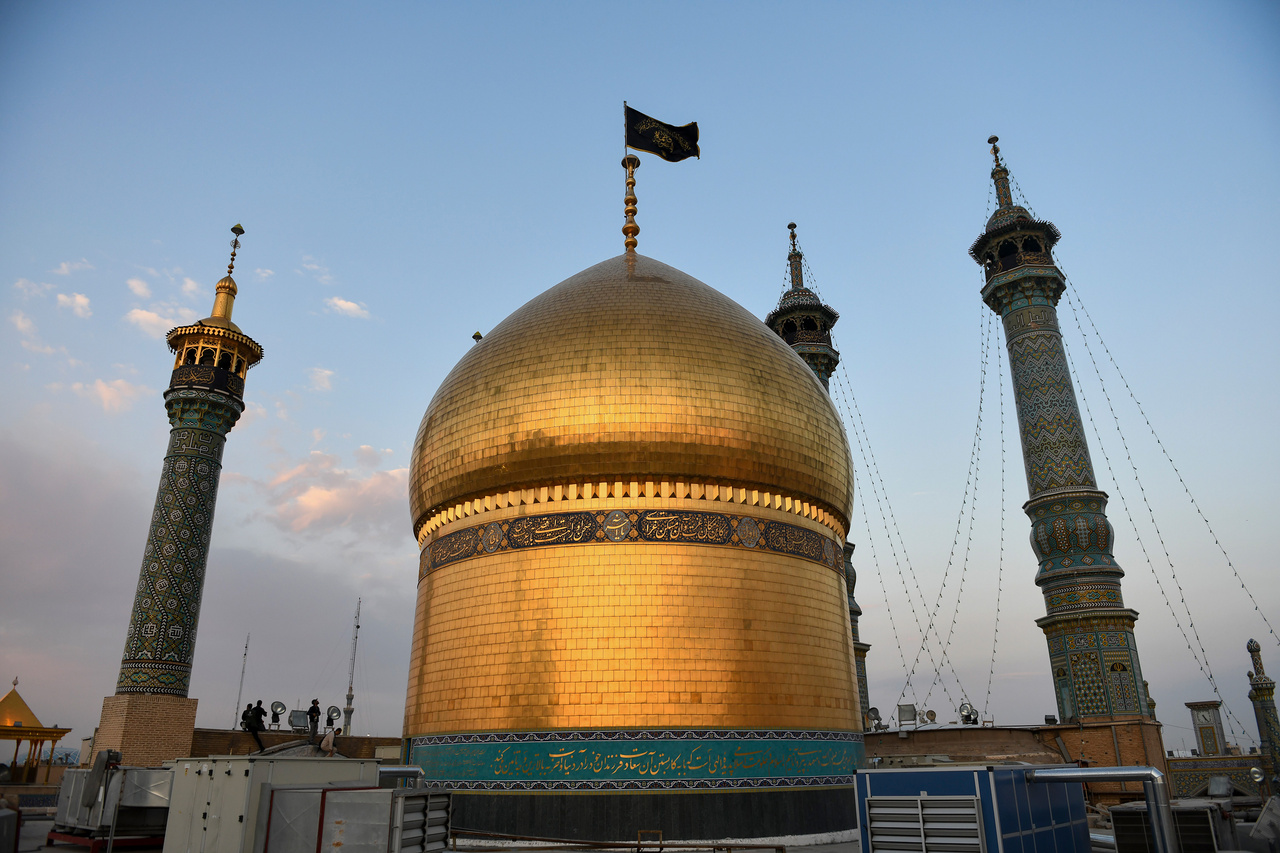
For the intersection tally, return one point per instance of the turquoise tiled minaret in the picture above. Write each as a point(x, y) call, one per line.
point(204, 400)
point(1092, 651)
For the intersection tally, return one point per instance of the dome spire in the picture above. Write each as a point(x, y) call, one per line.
point(631, 162)
point(1000, 174)
point(794, 261)
point(225, 299)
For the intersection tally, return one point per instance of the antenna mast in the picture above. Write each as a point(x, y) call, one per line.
point(240, 692)
point(351, 674)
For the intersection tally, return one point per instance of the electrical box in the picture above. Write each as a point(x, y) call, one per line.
point(215, 801)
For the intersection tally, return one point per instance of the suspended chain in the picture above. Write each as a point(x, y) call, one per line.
point(995, 637)
point(868, 461)
point(970, 477)
point(1204, 666)
point(884, 591)
point(879, 491)
point(1181, 481)
point(1200, 658)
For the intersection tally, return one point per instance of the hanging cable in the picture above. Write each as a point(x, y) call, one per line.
point(880, 493)
point(1200, 659)
point(995, 637)
point(1212, 533)
point(970, 478)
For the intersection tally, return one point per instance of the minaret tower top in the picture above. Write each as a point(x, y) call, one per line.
point(803, 321)
point(215, 341)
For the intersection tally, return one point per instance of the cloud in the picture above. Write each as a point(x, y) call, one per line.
point(154, 324)
point(139, 288)
point(338, 305)
point(24, 324)
point(369, 457)
point(317, 494)
point(30, 288)
point(77, 302)
point(317, 271)
point(320, 379)
point(115, 396)
point(191, 288)
point(264, 274)
point(68, 267)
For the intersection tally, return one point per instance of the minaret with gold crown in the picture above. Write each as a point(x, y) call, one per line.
point(803, 321)
point(1092, 652)
point(150, 718)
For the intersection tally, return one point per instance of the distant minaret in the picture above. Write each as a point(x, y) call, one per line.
point(860, 648)
point(1092, 652)
point(150, 718)
point(1262, 693)
point(803, 321)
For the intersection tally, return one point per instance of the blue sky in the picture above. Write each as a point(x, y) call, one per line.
point(408, 174)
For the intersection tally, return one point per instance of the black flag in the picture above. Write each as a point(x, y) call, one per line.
point(671, 143)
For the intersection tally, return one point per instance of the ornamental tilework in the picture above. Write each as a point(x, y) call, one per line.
point(162, 629)
point(1088, 631)
point(605, 527)
point(672, 759)
point(1053, 444)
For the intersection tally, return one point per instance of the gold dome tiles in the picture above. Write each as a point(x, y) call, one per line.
point(649, 376)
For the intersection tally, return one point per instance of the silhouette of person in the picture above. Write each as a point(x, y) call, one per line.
point(313, 717)
point(249, 722)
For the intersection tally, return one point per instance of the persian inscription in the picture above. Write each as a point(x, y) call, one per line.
point(565, 528)
point(616, 526)
point(454, 547)
point(671, 526)
point(790, 539)
point(577, 760)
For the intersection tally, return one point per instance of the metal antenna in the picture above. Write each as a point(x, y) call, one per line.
point(351, 674)
point(245, 662)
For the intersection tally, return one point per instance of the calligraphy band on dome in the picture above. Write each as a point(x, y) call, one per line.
point(617, 526)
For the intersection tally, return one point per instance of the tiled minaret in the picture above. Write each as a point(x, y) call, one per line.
point(803, 321)
point(1262, 693)
point(860, 648)
point(150, 718)
point(1092, 653)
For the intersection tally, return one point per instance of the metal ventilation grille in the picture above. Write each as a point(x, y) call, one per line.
point(424, 823)
point(1195, 830)
point(924, 824)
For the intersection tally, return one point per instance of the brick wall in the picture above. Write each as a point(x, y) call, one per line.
point(147, 729)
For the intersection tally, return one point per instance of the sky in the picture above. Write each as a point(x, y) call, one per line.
point(410, 173)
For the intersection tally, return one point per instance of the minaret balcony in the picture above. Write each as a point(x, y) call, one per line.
point(806, 336)
point(1019, 259)
point(207, 377)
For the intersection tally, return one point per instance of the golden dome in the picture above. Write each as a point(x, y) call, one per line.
point(630, 369)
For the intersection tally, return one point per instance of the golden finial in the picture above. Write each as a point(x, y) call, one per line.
point(995, 149)
point(235, 244)
point(792, 227)
point(631, 162)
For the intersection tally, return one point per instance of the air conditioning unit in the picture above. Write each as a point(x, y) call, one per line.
point(1202, 826)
